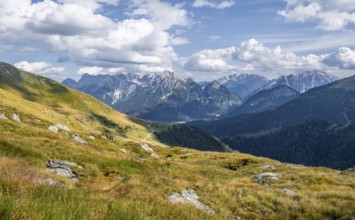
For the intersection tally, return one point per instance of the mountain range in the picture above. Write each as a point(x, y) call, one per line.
point(162, 97)
point(317, 128)
point(167, 97)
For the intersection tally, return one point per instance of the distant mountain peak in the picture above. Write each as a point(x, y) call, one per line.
point(300, 82)
point(159, 96)
point(243, 84)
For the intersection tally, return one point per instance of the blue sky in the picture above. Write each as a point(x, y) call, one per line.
point(203, 39)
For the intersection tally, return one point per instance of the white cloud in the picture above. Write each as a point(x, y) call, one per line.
point(213, 4)
point(42, 68)
point(210, 60)
point(343, 58)
point(116, 70)
point(92, 70)
point(87, 37)
point(331, 15)
point(164, 15)
point(254, 56)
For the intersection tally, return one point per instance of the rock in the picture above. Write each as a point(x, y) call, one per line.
point(268, 167)
point(2, 116)
point(62, 127)
point(154, 155)
point(146, 147)
point(61, 169)
point(53, 129)
point(289, 192)
point(57, 127)
point(189, 196)
point(119, 178)
point(265, 178)
point(123, 150)
point(91, 137)
point(77, 138)
point(16, 117)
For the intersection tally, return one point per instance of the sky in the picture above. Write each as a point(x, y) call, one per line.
point(202, 39)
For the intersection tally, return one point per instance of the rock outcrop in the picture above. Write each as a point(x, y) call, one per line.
point(61, 169)
point(77, 138)
point(190, 197)
point(266, 178)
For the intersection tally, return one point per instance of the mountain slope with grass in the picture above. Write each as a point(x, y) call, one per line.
point(65, 155)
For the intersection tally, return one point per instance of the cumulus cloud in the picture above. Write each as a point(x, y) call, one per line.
point(252, 55)
point(213, 4)
point(210, 60)
point(163, 14)
point(87, 37)
point(343, 58)
point(92, 70)
point(331, 15)
point(41, 68)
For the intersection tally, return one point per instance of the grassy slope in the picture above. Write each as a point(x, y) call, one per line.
point(143, 192)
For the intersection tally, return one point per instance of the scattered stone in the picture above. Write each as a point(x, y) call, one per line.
point(91, 137)
point(53, 129)
point(16, 117)
point(77, 138)
point(119, 178)
point(265, 178)
point(123, 150)
point(289, 192)
point(154, 155)
point(62, 127)
point(2, 116)
point(146, 147)
point(268, 167)
point(61, 169)
point(189, 196)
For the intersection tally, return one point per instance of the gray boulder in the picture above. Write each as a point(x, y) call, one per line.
point(61, 169)
point(190, 197)
point(77, 138)
point(265, 178)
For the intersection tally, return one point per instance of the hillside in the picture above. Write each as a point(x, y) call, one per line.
point(266, 100)
point(332, 104)
point(65, 155)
